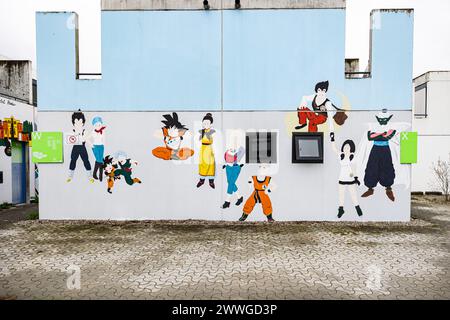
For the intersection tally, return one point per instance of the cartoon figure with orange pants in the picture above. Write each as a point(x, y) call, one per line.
point(262, 188)
point(173, 132)
point(109, 167)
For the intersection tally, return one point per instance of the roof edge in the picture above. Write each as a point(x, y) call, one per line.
point(124, 5)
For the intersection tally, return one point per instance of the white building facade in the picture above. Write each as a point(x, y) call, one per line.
point(17, 121)
point(431, 121)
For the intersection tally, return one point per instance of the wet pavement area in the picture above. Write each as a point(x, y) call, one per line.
point(226, 260)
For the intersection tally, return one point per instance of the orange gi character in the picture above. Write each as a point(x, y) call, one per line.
point(259, 195)
point(173, 132)
point(109, 169)
point(111, 178)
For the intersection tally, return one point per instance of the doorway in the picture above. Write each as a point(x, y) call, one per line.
point(19, 172)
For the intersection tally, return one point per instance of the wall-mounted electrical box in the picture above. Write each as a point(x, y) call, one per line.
point(307, 147)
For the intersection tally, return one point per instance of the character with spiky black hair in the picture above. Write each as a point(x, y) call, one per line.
point(79, 148)
point(173, 132)
point(109, 167)
point(321, 108)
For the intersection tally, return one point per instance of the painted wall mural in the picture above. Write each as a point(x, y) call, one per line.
point(117, 167)
point(319, 111)
point(207, 160)
point(247, 90)
point(339, 200)
point(173, 132)
point(262, 187)
point(14, 129)
point(379, 155)
point(109, 168)
point(78, 139)
point(347, 176)
point(232, 168)
point(97, 140)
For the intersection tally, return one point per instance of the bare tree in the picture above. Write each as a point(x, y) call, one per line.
point(441, 171)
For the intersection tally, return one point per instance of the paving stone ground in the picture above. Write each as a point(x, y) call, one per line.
point(204, 260)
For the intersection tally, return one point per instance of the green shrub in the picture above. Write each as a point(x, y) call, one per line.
point(5, 205)
point(33, 215)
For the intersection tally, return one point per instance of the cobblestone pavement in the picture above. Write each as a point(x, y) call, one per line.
point(198, 260)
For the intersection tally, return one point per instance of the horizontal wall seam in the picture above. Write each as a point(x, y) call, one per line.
point(214, 110)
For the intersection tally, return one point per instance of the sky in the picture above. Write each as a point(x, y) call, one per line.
point(431, 30)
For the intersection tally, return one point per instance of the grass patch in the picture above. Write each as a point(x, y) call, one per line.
point(33, 215)
point(5, 205)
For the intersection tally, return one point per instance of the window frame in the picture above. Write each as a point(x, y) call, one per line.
point(422, 86)
point(307, 136)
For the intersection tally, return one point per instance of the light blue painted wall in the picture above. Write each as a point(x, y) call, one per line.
point(150, 60)
point(272, 58)
point(171, 60)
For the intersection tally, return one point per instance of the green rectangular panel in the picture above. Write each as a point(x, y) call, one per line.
point(408, 147)
point(47, 147)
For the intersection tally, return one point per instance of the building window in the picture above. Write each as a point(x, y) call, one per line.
point(261, 147)
point(34, 91)
point(307, 147)
point(420, 101)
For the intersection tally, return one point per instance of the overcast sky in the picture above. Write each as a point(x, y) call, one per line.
point(431, 30)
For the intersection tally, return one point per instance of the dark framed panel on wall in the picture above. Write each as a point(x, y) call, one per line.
point(307, 147)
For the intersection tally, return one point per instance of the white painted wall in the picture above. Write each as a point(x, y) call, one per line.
point(434, 130)
point(168, 191)
point(20, 111)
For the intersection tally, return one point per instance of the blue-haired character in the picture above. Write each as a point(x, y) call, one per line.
point(97, 140)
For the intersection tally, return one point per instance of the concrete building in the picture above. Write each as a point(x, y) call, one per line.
point(187, 95)
point(17, 119)
point(431, 117)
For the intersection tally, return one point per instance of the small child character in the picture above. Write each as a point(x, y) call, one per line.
point(109, 167)
point(125, 168)
point(262, 187)
point(233, 169)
